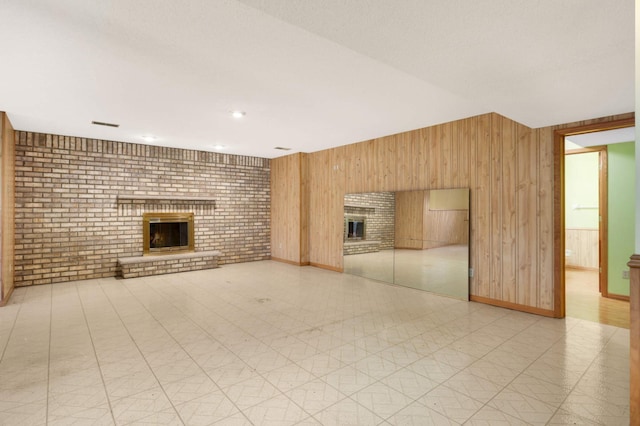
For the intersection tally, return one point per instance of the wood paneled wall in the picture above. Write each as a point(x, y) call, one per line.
point(289, 209)
point(509, 169)
point(409, 219)
point(582, 248)
point(7, 207)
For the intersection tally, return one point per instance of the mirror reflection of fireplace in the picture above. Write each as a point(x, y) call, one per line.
point(354, 228)
point(167, 232)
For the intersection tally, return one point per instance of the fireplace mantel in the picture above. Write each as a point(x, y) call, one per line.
point(129, 198)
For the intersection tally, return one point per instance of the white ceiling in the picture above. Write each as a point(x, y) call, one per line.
point(607, 137)
point(309, 74)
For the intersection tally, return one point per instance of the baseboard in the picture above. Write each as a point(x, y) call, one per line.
point(582, 268)
point(331, 268)
point(513, 306)
point(290, 262)
point(618, 297)
point(6, 297)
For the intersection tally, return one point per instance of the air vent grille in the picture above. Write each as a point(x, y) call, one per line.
point(102, 123)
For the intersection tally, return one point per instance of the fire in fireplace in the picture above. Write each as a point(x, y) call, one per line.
point(167, 232)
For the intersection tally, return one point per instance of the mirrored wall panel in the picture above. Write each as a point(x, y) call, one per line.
point(417, 239)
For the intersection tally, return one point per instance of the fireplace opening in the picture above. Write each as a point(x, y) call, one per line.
point(354, 228)
point(167, 232)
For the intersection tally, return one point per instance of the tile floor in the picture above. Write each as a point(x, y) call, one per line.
point(268, 343)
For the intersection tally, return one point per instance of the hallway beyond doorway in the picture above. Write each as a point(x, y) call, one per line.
point(583, 300)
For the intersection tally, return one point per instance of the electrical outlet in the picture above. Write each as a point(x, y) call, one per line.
point(625, 275)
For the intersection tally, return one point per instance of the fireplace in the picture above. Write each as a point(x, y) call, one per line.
point(167, 233)
point(355, 228)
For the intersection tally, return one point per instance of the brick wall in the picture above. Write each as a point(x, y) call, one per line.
point(70, 224)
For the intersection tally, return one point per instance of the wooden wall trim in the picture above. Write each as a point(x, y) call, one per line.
point(559, 133)
point(615, 296)
point(290, 262)
point(7, 204)
point(514, 306)
point(634, 355)
point(329, 267)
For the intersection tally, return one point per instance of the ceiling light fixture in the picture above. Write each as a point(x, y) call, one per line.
point(238, 114)
point(219, 147)
point(149, 138)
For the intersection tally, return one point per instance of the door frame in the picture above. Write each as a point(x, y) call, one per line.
point(603, 202)
point(558, 202)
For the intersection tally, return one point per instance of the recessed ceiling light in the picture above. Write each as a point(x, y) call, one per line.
point(219, 147)
point(149, 138)
point(238, 114)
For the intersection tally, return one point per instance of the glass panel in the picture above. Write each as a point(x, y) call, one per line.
point(418, 239)
point(168, 234)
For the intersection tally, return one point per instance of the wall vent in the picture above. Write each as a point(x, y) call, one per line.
point(102, 123)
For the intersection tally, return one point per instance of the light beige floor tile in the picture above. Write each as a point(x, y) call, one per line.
point(451, 404)
point(417, 414)
point(542, 390)
point(22, 413)
point(321, 364)
point(523, 407)
point(473, 386)
point(136, 407)
point(583, 405)
point(289, 377)
point(231, 374)
point(409, 383)
point(279, 410)
point(564, 417)
point(488, 416)
point(377, 366)
point(206, 410)
point(189, 388)
point(348, 380)
point(433, 369)
point(282, 343)
point(347, 413)
point(315, 396)
point(381, 399)
point(251, 392)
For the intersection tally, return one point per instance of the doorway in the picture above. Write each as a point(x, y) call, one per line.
point(591, 266)
point(586, 238)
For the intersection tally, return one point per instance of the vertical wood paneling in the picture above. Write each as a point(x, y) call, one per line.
point(303, 214)
point(286, 208)
point(7, 206)
point(509, 202)
point(510, 171)
point(584, 248)
point(545, 219)
point(482, 213)
point(409, 219)
point(433, 161)
point(446, 180)
point(474, 256)
point(408, 165)
point(495, 187)
point(527, 217)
